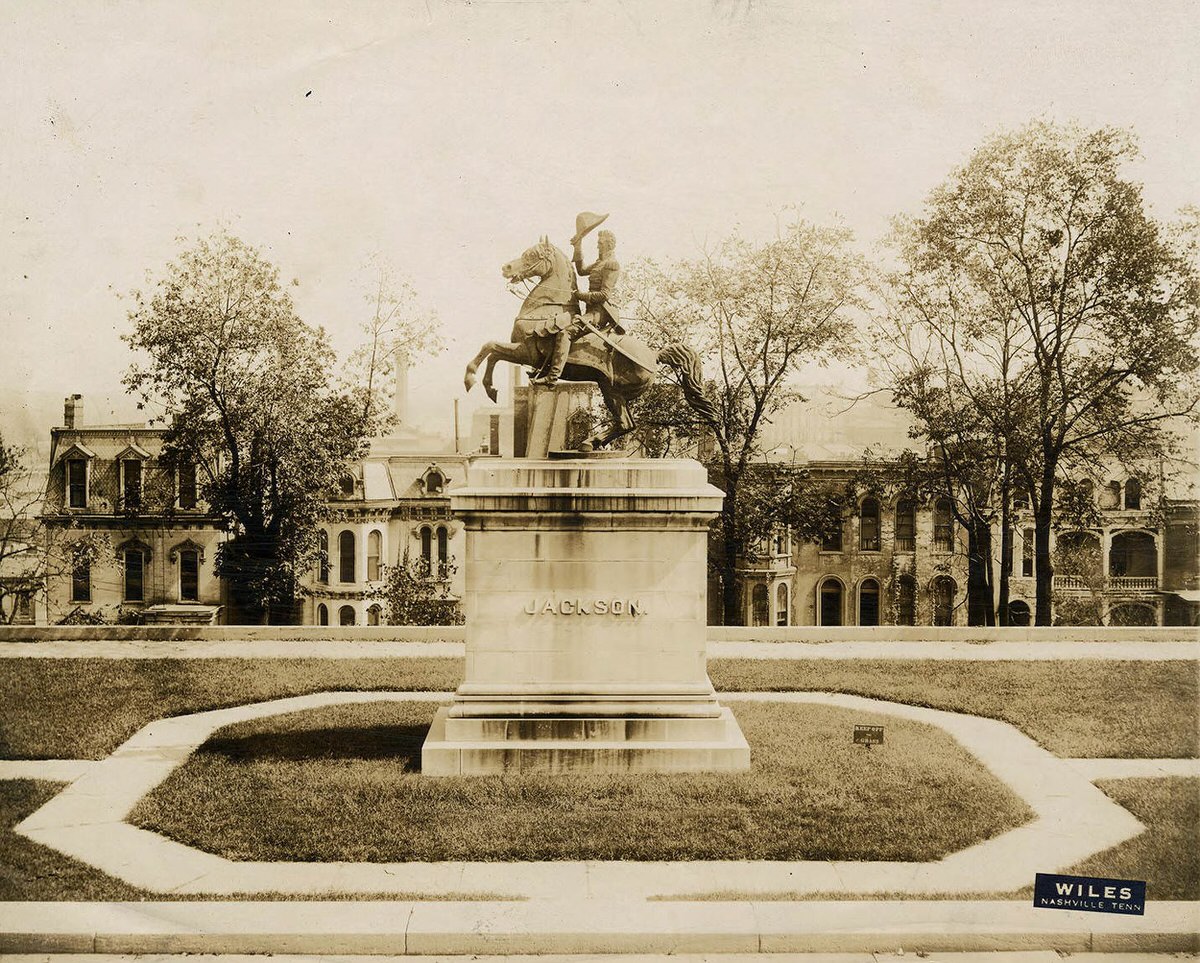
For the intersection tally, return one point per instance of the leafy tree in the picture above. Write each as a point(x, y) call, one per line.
point(756, 313)
point(246, 390)
point(416, 594)
point(1036, 300)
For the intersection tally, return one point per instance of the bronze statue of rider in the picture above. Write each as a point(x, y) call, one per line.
point(600, 309)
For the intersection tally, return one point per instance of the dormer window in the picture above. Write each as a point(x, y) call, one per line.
point(131, 483)
point(76, 462)
point(131, 461)
point(347, 486)
point(434, 480)
point(77, 488)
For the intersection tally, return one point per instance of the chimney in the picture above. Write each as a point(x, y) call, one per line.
point(401, 402)
point(73, 411)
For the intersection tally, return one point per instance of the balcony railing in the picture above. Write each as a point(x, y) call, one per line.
point(1115, 583)
point(1133, 583)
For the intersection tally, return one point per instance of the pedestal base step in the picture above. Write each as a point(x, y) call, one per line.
point(492, 746)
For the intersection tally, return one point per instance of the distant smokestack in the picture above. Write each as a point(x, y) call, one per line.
point(73, 411)
point(401, 402)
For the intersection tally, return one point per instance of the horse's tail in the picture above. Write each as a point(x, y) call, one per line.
point(686, 363)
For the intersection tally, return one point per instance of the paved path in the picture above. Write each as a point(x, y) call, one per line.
point(1073, 821)
point(559, 927)
point(262, 649)
point(987, 956)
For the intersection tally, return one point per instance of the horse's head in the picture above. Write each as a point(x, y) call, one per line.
point(537, 261)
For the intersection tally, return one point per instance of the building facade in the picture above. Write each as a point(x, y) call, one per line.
point(127, 536)
point(393, 509)
point(901, 561)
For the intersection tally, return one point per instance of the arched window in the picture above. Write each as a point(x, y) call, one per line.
point(868, 526)
point(782, 615)
point(906, 525)
point(1133, 555)
point(373, 615)
point(323, 556)
point(906, 600)
point(831, 602)
point(346, 615)
point(322, 614)
point(943, 600)
point(1087, 491)
point(943, 526)
point(760, 606)
point(435, 481)
point(1018, 612)
point(443, 543)
point(346, 556)
point(1111, 497)
point(1133, 494)
point(868, 602)
point(374, 552)
point(347, 485)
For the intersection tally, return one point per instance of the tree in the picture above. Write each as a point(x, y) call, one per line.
point(1038, 301)
point(31, 552)
point(393, 326)
point(416, 594)
point(756, 313)
point(245, 387)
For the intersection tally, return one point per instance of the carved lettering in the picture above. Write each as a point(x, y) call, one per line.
point(578, 606)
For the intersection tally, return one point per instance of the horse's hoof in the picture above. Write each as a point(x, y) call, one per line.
point(469, 381)
point(492, 393)
point(586, 446)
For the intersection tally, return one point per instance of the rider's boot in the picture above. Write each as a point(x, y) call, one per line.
point(550, 374)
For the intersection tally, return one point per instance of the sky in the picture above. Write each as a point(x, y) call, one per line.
point(446, 137)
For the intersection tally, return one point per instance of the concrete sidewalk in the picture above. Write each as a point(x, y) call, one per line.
point(863, 927)
point(357, 649)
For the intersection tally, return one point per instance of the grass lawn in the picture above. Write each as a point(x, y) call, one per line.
point(29, 871)
point(84, 708)
point(341, 783)
point(1092, 708)
point(1165, 856)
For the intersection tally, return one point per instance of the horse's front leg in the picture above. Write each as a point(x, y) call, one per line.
point(488, 387)
point(487, 351)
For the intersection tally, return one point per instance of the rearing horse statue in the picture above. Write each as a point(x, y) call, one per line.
point(621, 366)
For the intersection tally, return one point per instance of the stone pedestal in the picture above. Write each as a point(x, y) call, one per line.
point(585, 609)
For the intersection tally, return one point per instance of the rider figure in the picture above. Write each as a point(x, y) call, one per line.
point(599, 300)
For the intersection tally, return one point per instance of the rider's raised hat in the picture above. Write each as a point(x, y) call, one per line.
point(585, 223)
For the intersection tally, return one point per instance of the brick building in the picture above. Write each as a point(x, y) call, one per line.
point(903, 562)
point(109, 481)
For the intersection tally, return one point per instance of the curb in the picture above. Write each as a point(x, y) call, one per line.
point(590, 927)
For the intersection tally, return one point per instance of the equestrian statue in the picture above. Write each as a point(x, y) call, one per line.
point(558, 339)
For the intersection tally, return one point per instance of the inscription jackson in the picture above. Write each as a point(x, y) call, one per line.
point(579, 606)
